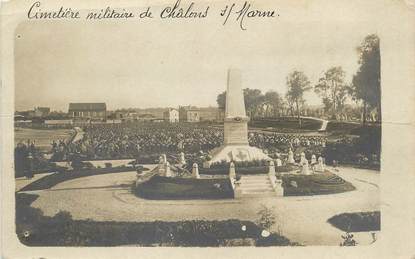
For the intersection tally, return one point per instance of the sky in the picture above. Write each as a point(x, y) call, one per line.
point(167, 63)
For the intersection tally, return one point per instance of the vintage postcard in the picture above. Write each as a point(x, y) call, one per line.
point(140, 128)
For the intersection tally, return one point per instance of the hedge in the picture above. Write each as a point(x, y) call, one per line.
point(35, 229)
point(247, 170)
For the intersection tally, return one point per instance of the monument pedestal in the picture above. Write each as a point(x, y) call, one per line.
point(236, 147)
point(237, 153)
point(235, 129)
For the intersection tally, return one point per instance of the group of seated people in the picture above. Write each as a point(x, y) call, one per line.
point(116, 141)
point(147, 141)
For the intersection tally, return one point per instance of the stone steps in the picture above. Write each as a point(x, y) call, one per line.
point(256, 186)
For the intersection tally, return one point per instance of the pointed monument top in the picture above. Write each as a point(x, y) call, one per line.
point(235, 104)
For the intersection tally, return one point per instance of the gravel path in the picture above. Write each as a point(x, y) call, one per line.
point(301, 219)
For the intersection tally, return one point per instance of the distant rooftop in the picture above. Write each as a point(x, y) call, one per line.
point(87, 107)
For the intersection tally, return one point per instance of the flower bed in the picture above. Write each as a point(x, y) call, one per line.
point(167, 188)
point(315, 184)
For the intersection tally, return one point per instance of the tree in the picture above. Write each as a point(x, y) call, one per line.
point(366, 81)
point(274, 100)
point(221, 100)
point(253, 99)
point(332, 89)
point(298, 84)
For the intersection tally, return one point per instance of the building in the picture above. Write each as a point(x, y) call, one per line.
point(92, 111)
point(146, 117)
point(171, 115)
point(209, 114)
point(189, 114)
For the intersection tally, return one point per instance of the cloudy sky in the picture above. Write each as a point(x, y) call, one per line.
point(162, 63)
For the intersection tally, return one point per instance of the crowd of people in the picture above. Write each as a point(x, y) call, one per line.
point(116, 141)
point(146, 139)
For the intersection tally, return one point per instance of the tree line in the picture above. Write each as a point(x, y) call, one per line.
point(331, 87)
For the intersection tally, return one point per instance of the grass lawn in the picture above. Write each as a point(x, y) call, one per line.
point(357, 222)
point(42, 137)
point(307, 124)
point(315, 184)
point(166, 188)
point(35, 229)
point(51, 180)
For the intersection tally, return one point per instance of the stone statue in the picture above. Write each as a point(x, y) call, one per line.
point(232, 173)
point(290, 157)
point(182, 160)
point(271, 168)
point(304, 167)
point(320, 167)
point(313, 159)
point(303, 159)
point(167, 169)
point(195, 171)
point(278, 162)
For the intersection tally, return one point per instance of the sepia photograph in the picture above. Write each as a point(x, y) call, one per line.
point(197, 124)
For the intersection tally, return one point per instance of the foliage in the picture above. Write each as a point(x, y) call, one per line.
point(357, 221)
point(332, 89)
point(245, 164)
point(348, 240)
point(275, 104)
point(315, 184)
point(266, 217)
point(221, 100)
point(366, 82)
point(246, 170)
point(108, 165)
point(35, 229)
point(256, 102)
point(29, 160)
point(298, 84)
point(363, 151)
point(168, 188)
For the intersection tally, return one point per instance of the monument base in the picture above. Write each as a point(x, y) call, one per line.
point(237, 153)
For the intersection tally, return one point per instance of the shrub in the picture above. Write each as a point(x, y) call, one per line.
point(356, 222)
point(35, 229)
point(266, 217)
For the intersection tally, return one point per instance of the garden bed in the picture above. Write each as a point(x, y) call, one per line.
point(357, 222)
point(315, 184)
point(167, 188)
point(224, 170)
point(35, 229)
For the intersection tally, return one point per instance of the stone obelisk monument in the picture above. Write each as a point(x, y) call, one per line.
point(235, 145)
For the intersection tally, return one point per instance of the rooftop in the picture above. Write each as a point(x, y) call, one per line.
point(87, 107)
